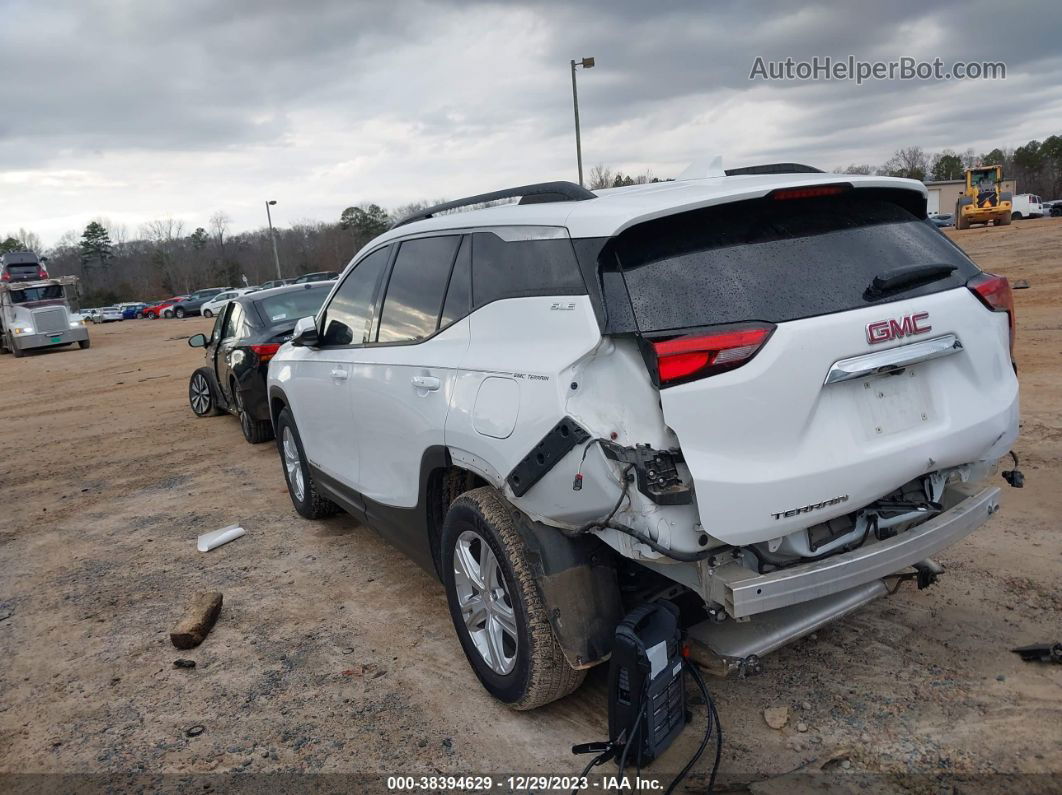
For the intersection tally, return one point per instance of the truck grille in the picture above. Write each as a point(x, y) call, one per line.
point(48, 321)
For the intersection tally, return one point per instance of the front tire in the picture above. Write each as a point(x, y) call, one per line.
point(207, 313)
point(139, 315)
point(84, 344)
point(301, 488)
point(201, 395)
point(495, 604)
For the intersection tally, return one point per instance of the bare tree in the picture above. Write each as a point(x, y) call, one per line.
point(601, 176)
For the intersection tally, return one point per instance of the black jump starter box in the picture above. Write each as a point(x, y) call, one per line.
point(646, 666)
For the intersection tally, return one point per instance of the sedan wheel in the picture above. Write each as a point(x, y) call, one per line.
point(179, 312)
point(207, 313)
point(200, 395)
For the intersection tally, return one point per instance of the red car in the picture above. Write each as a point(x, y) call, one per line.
point(155, 311)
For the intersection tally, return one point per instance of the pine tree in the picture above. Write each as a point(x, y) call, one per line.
point(95, 248)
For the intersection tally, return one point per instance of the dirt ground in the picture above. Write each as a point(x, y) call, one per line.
point(334, 654)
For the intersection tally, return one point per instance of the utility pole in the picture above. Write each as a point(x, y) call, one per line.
point(273, 237)
point(586, 63)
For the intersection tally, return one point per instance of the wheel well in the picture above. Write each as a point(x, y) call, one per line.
point(276, 405)
point(445, 485)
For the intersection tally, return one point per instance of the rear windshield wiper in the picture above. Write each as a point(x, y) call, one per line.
point(907, 277)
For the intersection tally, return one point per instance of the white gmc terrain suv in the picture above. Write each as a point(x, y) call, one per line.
point(767, 395)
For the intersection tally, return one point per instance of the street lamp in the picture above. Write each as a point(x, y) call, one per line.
point(586, 63)
point(273, 237)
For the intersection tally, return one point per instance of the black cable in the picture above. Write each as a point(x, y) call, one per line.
point(713, 722)
point(600, 759)
point(634, 733)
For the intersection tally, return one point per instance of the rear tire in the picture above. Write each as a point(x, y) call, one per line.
point(178, 312)
point(254, 431)
point(139, 315)
point(495, 604)
point(303, 491)
point(83, 344)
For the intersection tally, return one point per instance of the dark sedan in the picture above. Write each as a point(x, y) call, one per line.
point(247, 332)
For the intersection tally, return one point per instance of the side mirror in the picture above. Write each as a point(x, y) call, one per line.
point(197, 341)
point(305, 333)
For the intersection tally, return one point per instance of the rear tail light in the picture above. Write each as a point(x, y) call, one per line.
point(265, 351)
point(42, 273)
point(700, 355)
point(994, 292)
point(5, 277)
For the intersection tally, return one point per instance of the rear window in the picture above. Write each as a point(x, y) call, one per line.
point(290, 306)
point(23, 271)
point(776, 261)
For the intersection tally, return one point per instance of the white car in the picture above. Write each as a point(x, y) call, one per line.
point(88, 315)
point(217, 303)
point(769, 394)
point(107, 314)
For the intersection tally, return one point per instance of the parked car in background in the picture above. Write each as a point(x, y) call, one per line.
point(214, 305)
point(248, 331)
point(107, 314)
point(193, 303)
point(155, 311)
point(1053, 208)
point(518, 397)
point(1026, 205)
point(319, 276)
point(943, 220)
point(87, 315)
point(133, 311)
point(274, 283)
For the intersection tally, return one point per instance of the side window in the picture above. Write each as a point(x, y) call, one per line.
point(215, 335)
point(233, 321)
point(511, 269)
point(459, 293)
point(347, 316)
point(415, 291)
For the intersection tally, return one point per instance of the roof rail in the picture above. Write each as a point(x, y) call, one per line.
point(774, 168)
point(540, 192)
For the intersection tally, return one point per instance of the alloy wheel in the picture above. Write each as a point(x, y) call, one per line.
point(200, 394)
point(486, 606)
point(293, 465)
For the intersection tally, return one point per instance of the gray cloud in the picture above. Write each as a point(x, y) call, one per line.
point(138, 110)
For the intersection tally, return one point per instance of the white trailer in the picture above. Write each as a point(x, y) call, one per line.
point(36, 314)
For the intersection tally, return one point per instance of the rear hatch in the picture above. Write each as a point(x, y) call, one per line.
point(756, 318)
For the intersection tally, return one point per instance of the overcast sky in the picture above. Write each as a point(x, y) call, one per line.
point(140, 110)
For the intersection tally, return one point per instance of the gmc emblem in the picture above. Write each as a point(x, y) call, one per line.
point(906, 326)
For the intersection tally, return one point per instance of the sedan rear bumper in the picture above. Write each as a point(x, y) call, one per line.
point(970, 509)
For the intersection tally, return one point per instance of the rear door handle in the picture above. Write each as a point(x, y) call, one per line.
point(339, 374)
point(428, 382)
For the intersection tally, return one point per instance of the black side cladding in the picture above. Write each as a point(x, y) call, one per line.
point(556, 444)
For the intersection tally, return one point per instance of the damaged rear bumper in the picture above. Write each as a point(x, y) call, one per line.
point(967, 508)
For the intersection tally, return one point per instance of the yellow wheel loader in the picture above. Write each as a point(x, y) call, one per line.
point(983, 201)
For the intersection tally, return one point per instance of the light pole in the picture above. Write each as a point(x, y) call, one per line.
point(272, 236)
point(586, 63)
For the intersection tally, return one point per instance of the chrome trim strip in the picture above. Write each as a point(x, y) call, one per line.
point(870, 562)
point(880, 362)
